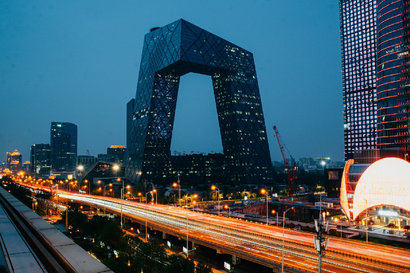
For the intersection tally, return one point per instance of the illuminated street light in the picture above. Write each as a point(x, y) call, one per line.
point(277, 217)
point(178, 185)
point(226, 207)
point(283, 233)
point(115, 167)
point(265, 192)
point(80, 168)
point(215, 188)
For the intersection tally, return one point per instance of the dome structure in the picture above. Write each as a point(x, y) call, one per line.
point(384, 183)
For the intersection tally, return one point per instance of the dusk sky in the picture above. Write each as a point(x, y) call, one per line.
point(78, 61)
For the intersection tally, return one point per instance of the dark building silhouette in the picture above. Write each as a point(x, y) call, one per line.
point(170, 52)
point(63, 141)
point(118, 151)
point(359, 47)
point(393, 74)
point(200, 168)
point(333, 179)
point(86, 161)
point(40, 157)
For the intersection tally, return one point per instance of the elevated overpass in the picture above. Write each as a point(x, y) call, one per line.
point(30, 244)
point(255, 242)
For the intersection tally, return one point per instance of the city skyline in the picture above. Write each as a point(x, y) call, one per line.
point(93, 73)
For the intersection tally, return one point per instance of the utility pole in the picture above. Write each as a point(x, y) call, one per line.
point(321, 226)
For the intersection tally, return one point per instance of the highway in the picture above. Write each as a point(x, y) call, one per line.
point(254, 241)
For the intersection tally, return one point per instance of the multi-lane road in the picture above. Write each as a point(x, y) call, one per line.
point(256, 242)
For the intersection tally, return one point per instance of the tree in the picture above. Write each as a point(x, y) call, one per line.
point(179, 264)
point(202, 268)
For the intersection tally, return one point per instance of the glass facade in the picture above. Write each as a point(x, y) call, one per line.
point(393, 81)
point(40, 159)
point(170, 52)
point(63, 142)
point(359, 46)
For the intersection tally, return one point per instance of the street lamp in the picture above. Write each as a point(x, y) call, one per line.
point(178, 185)
point(215, 188)
point(88, 186)
point(277, 217)
point(146, 218)
point(226, 207)
point(283, 233)
point(265, 192)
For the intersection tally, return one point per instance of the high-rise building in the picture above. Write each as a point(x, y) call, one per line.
point(86, 161)
point(170, 52)
point(359, 48)
point(393, 74)
point(40, 157)
point(63, 141)
point(118, 151)
point(14, 161)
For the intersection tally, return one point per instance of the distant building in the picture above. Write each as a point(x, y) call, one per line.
point(333, 178)
point(86, 161)
point(199, 168)
point(63, 140)
point(27, 167)
point(40, 156)
point(318, 163)
point(101, 174)
point(117, 151)
point(14, 161)
point(107, 158)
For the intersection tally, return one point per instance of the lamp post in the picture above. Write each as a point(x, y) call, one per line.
point(283, 234)
point(178, 185)
point(80, 169)
point(116, 168)
point(146, 218)
point(187, 236)
point(215, 188)
point(88, 186)
point(273, 213)
point(156, 196)
point(265, 192)
point(226, 207)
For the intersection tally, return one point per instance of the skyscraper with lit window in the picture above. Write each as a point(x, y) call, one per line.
point(40, 157)
point(393, 74)
point(63, 142)
point(170, 52)
point(359, 50)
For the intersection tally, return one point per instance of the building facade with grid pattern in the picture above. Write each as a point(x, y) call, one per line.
point(359, 50)
point(393, 78)
point(170, 52)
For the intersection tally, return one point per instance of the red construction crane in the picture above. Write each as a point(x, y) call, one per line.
point(291, 171)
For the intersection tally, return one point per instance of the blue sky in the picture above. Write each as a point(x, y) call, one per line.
point(78, 61)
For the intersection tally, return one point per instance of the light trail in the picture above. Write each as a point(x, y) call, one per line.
point(255, 241)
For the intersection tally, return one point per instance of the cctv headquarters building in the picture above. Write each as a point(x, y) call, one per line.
point(170, 52)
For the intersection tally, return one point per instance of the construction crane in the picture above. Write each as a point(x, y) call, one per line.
point(291, 171)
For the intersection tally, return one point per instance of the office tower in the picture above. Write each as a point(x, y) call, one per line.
point(63, 141)
point(358, 41)
point(393, 74)
point(40, 157)
point(170, 52)
point(118, 151)
point(14, 161)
